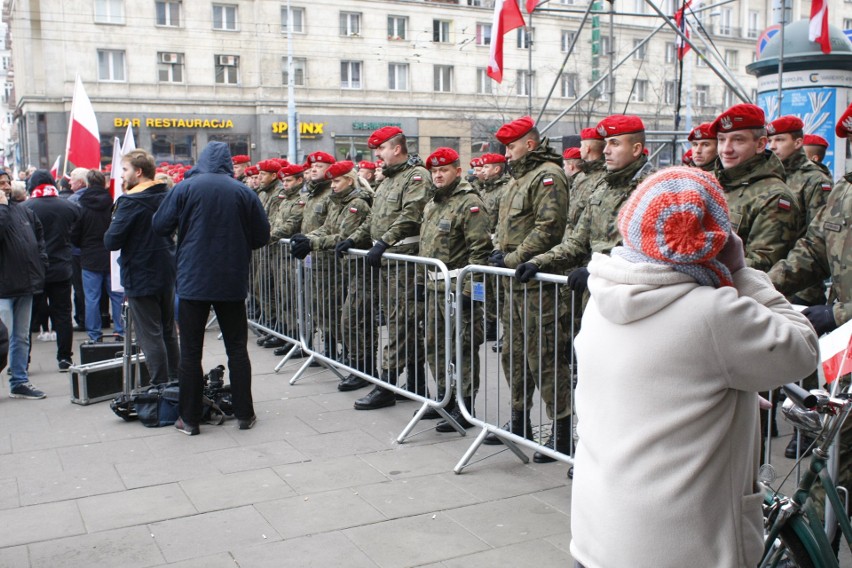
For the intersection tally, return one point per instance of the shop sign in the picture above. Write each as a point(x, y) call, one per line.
point(373, 125)
point(306, 129)
point(174, 123)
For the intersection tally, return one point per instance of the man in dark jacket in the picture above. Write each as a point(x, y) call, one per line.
point(88, 234)
point(23, 261)
point(147, 264)
point(57, 217)
point(219, 221)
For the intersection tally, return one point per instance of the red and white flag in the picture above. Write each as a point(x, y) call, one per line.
point(835, 352)
point(507, 17)
point(818, 30)
point(115, 188)
point(129, 143)
point(84, 140)
point(54, 171)
point(680, 20)
point(532, 5)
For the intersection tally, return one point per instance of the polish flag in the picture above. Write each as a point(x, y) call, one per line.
point(84, 140)
point(836, 352)
point(532, 5)
point(129, 143)
point(54, 171)
point(507, 17)
point(818, 30)
point(680, 20)
point(115, 184)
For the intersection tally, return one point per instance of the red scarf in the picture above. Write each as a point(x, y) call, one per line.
point(44, 190)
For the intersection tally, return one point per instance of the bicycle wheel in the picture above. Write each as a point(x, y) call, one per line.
point(788, 551)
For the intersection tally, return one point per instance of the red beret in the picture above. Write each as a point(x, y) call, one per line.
point(240, 159)
point(814, 140)
point(476, 162)
point(282, 162)
point(492, 159)
point(590, 134)
point(382, 135)
point(646, 151)
point(379, 164)
point(844, 125)
point(703, 131)
point(441, 157)
point(338, 169)
point(164, 164)
point(321, 157)
point(571, 154)
point(740, 117)
point(619, 124)
point(252, 171)
point(511, 131)
point(271, 166)
point(687, 157)
point(784, 125)
point(291, 170)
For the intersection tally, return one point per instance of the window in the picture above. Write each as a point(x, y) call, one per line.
point(847, 23)
point(604, 88)
point(732, 58)
point(298, 20)
point(524, 38)
point(569, 83)
point(227, 69)
point(483, 34)
point(6, 61)
point(225, 17)
point(725, 19)
point(443, 78)
point(671, 52)
point(441, 31)
point(350, 24)
point(699, 58)
point(670, 93)
point(524, 83)
point(729, 98)
point(299, 66)
point(702, 95)
point(639, 54)
point(397, 76)
point(109, 11)
point(168, 14)
point(111, 65)
point(606, 46)
point(8, 87)
point(350, 74)
point(397, 27)
point(640, 91)
point(567, 40)
point(753, 24)
point(170, 67)
point(484, 84)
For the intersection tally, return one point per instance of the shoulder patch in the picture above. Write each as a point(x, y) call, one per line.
point(826, 186)
point(301, 203)
point(784, 204)
point(547, 181)
point(474, 209)
point(353, 209)
point(417, 178)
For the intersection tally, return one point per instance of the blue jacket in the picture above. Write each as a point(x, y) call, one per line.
point(147, 260)
point(218, 221)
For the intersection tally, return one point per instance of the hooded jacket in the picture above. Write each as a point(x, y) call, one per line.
point(147, 260)
point(88, 233)
point(219, 221)
point(57, 217)
point(668, 413)
point(23, 258)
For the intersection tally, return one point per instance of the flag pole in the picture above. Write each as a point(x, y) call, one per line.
point(781, 56)
point(70, 122)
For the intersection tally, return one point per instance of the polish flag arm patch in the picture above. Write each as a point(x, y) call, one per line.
point(784, 204)
point(474, 209)
point(826, 187)
point(417, 178)
point(547, 181)
point(353, 209)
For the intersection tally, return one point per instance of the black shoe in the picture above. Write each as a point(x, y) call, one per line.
point(498, 346)
point(273, 342)
point(298, 353)
point(263, 337)
point(793, 446)
point(430, 414)
point(281, 351)
point(351, 383)
point(560, 440)
point(490, 332)
point(516, 426)
point(79, 327)
point(456, 414)
point(376, 398)
point(188, 429)
point(248, 423)
point(64, 365)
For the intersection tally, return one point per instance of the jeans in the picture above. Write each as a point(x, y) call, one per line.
point(16, 314)
point(234, 328)
point(153, 320)
point(92, 285)
point(58, 300)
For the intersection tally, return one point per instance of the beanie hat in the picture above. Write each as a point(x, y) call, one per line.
point(678, 217)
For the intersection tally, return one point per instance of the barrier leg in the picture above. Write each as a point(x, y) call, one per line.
point(465, 459)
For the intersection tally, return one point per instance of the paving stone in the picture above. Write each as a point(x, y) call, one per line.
point(166, 470)
point(212, 438)
point(540, 553)
point(40, 522)
point(337, 444)
point(313, 551)
point(382, 424)
point(128, 548)
point(137, 507)
point(255, 457)
point(407, 460)
point(504, 479)
point(236, 489)
point(406, 497)
point(9, 498)
point(104, 453)
point(562, 541)
point(59, 437)
point(511, 520)
point(559, 498)
point(5, 444)
point(209, 533)
point(319, 512)
point(272, 427)
point(221, 560)
point(68, 485)
point(30, 463)
point(414, 541)
point(14, 557)
point(327, 474)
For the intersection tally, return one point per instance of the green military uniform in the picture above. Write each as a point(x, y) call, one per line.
point(824, 169)
point(287, 222)
point(764, 212)
point(533, 214)
point(491, 191)
point(582, 187)
point(268, 262)
point(394, 219)
point(455, 230)
point(826, 252)
point(319, 266)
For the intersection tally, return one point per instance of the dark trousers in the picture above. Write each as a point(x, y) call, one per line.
point(79, 295)
point(234, 327)
point(154, 323)
point(58, 298)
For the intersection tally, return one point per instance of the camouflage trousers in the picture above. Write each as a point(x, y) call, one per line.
point(358, 331)
point(472, 336)
point(266, 284)
point(535, 350)
point(395, 294)
point(325, 290)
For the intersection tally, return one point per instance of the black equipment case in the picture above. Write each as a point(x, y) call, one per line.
point(98, 377)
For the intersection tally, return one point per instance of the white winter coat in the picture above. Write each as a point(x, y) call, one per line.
point(666, 465)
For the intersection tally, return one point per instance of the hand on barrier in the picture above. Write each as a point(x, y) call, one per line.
point(496, 258)
point(466, 303)
point(526, 271)
point(578, 279)
point(343, 246)
point(374, 255)
point(821, 317)
point(300, 248)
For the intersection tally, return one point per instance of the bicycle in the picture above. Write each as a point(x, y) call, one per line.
point(795, 535)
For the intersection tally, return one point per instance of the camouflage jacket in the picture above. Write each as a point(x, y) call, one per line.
point(824, 169)
point(534, 206)
point(825, 251)
point(267, 195)
point(808, 184)
point(585, 181)
point(346, 211)
point(491, 191)
point(597, 228)
point(397, 209)
point(315, 198)
point(288, 220)
point(763, 211)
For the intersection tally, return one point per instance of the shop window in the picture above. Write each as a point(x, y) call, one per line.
point(173, 148)
point(444, 142)
point(237, 143)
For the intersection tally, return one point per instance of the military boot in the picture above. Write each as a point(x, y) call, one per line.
point(432, 414)
point(560, 440)
point(456, 414)
point(353, 382)
point(415, 380)
point(378, 397)
point(519, 425)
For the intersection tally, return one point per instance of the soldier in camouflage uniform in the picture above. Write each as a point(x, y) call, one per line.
point(266, 273)
point(704, 147)
point(367, 171)
point(393, 226)
point(764, 212)
point(455, 230)
point(815, 149)
point(491, 190)
point(592, 169)
point(241, 162)
point(348, 208)
point(571, 160)
point(250, 178)
point(532, 216)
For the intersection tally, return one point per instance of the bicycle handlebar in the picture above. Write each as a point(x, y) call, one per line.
point(800, 396)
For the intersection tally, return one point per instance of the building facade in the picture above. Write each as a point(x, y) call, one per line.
point(182, 73)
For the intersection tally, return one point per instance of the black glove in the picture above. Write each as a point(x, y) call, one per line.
point(466, 303)
point(525, 271)
point(420, 292)
point(374, 255)
point(300, 248)
point(496, 258)
point(578, 279)
point(821, 317)
point(343, 246)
